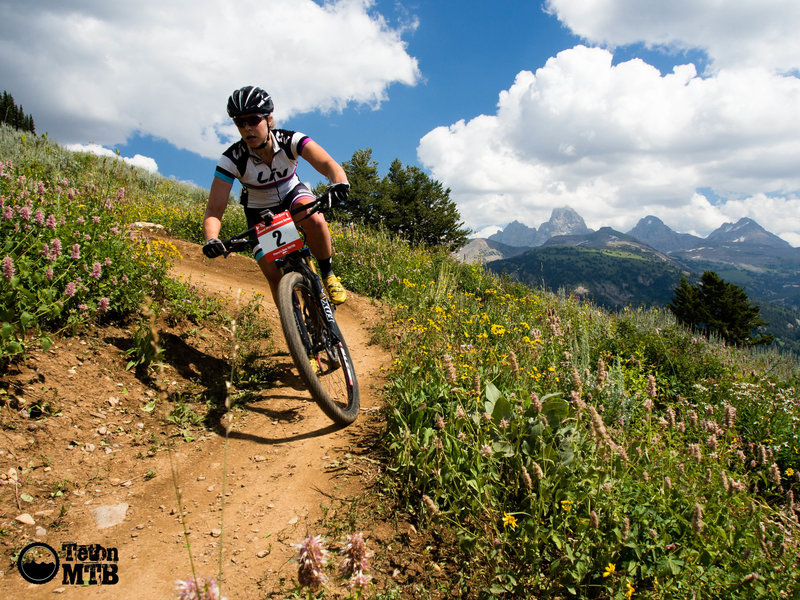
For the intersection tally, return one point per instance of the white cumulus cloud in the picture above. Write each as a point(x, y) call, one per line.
point(137, 160)
point(102, 71)
point(734, 33)
point(617, 142)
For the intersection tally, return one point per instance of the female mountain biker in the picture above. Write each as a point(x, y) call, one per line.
point(265, 162)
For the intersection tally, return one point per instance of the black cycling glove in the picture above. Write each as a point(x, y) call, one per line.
point(214, 248)
point(337, 194)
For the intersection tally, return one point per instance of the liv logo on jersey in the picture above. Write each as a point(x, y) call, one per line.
point(274, 175)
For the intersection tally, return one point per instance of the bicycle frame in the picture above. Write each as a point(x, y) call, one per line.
point(300, 261)
point(297, 260)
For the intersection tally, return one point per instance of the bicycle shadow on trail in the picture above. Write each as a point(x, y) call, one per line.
point(270, 441)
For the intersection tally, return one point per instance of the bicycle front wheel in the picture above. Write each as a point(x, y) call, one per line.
point(318, 350)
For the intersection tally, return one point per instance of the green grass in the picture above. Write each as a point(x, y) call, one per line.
point(570, 451)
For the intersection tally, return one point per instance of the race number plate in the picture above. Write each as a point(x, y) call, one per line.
point(280, 237)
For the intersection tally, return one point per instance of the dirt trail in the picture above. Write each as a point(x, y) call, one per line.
point(285, 460)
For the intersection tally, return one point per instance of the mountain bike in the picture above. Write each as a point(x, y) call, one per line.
point(307, 318)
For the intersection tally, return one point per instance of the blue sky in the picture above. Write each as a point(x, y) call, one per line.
point(688, 110)
point(467, 52)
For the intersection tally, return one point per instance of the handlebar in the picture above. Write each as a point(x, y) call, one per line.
point(241, 242)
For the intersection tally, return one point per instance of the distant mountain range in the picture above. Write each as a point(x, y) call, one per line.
point(644, 265)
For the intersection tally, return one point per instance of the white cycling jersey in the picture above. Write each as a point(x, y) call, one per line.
point(267, 185)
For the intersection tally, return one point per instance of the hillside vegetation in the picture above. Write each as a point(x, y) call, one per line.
point(624, 275)
point(552, 449)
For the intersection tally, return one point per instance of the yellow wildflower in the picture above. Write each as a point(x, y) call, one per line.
point(629, 589)
point(789, 472)
point(566, 505)
point(509, 520)
point(498, 330)
point(609, 569)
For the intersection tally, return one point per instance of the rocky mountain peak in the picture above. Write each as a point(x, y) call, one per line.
point(516, 234)
point(563, 221)
point(653, 232)
point(747, 231)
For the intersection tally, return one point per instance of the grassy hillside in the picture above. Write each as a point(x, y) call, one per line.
point(554, 449)
point(625, 276)
point(610, 278)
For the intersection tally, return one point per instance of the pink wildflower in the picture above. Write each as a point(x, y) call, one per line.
point(197, 589)
point(449, 369)
point(8, 268)
point(97, 271)
point(652, 391)
point(430, 504)
point(730, 416)
point(51, 222)
point(102, 305)
point(69, 291)
point(360, 581)
point(356, 560)
point(697, 519)
point(537, 471)
point(312, 557)
point(526, 478)
point(25, 213)
point(39, 217)
point(536, 403)
point(76, 251)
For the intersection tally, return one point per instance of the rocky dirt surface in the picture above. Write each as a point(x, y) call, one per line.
point(87, 456)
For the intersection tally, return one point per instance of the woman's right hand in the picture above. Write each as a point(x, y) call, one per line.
point(214, 248)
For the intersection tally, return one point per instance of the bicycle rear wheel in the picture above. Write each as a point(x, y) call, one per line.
point(319, 351)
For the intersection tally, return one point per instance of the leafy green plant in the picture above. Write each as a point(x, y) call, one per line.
point(145, 351)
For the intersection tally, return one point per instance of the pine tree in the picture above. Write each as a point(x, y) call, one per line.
point(719, 307)
point(406, 202)
point(686, 304)
point(14, 115)
point(365, 202)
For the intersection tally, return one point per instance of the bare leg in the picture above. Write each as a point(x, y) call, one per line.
point(318, 237)
point(272, 274)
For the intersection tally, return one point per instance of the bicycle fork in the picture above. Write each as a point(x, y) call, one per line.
point(328, 335)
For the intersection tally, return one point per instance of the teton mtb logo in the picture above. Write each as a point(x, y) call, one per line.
point(90, 564)
point(37, 563)
point(83, 564)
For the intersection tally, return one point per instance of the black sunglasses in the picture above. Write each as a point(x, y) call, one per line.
point(252, 120)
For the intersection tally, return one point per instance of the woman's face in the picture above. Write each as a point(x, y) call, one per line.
point(254, 129)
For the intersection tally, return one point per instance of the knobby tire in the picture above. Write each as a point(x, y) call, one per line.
point(333, 385)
